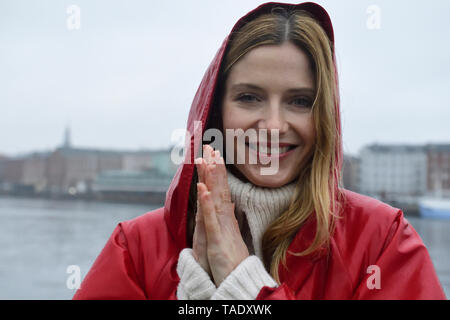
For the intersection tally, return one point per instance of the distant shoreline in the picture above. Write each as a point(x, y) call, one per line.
point(154, 200)
point(88, 198)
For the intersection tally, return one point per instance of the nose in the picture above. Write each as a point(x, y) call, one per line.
point(274, 119)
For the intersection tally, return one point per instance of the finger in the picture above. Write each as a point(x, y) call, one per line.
point(216, 156)
point(220, 171)
point(200, 165)
point(217, 182)
point(208, 164)
point(199, 238)
point(212, 226)
point(220, 163)
point(195, 243)
point(200, 228)
point(208, 153)
point(216, 160)
point(199, 245)
point(198, 216)
point(211, 183)
point(199, 225)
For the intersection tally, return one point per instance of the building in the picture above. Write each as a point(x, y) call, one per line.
point(389, 172)
point(73, 171)
point(34, 171)
point(5, 186)
point(141, 186)
point(350, 173)
point(24, 174)
point(438, 178)
point(69, 170)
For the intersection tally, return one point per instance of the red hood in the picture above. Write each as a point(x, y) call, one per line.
point(176, 203)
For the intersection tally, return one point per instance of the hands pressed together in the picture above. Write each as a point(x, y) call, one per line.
point(217, 243)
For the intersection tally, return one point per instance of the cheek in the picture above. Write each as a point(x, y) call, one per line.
point(226, 119)
point(233, 118)
point(305, 128)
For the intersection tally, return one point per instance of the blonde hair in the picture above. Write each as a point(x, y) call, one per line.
point(317, 189)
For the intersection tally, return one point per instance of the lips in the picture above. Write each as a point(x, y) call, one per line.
point(268, 150)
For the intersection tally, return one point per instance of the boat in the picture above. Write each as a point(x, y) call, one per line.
point(433, 207)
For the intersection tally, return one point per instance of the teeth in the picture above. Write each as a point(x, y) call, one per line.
point(273, 150)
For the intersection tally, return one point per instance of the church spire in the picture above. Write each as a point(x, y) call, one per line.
point(67, 143)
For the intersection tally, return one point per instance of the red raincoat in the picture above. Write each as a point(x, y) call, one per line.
point(374, 252)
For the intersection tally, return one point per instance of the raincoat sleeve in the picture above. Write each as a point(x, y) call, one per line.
point(113, 275)
point(403, 270)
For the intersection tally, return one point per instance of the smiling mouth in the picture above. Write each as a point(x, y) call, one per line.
point(268, 150)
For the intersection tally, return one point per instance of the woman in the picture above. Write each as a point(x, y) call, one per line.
point(227, 231)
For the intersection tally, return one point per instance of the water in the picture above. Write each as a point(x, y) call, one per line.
point(435, 233)
point(40, 238)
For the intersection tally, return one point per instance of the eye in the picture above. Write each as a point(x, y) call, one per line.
point(247, 98)
point(304, 102)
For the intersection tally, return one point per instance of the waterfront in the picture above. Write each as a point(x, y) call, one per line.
point(40, 238)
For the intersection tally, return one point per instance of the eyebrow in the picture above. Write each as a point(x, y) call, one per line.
point(240, 86)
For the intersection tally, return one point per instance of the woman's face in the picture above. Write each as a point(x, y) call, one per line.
point(272, 88)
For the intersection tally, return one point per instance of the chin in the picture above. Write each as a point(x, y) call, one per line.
point(278, 180)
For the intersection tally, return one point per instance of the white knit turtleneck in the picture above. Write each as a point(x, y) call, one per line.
point(256, 208)
point(260, 205)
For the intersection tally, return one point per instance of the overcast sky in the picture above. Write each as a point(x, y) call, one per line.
point(127, 77)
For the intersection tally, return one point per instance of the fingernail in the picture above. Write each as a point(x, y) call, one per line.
point(198, 160)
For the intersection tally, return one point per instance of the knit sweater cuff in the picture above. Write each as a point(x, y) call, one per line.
point(245, 281)
point(195, 283)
